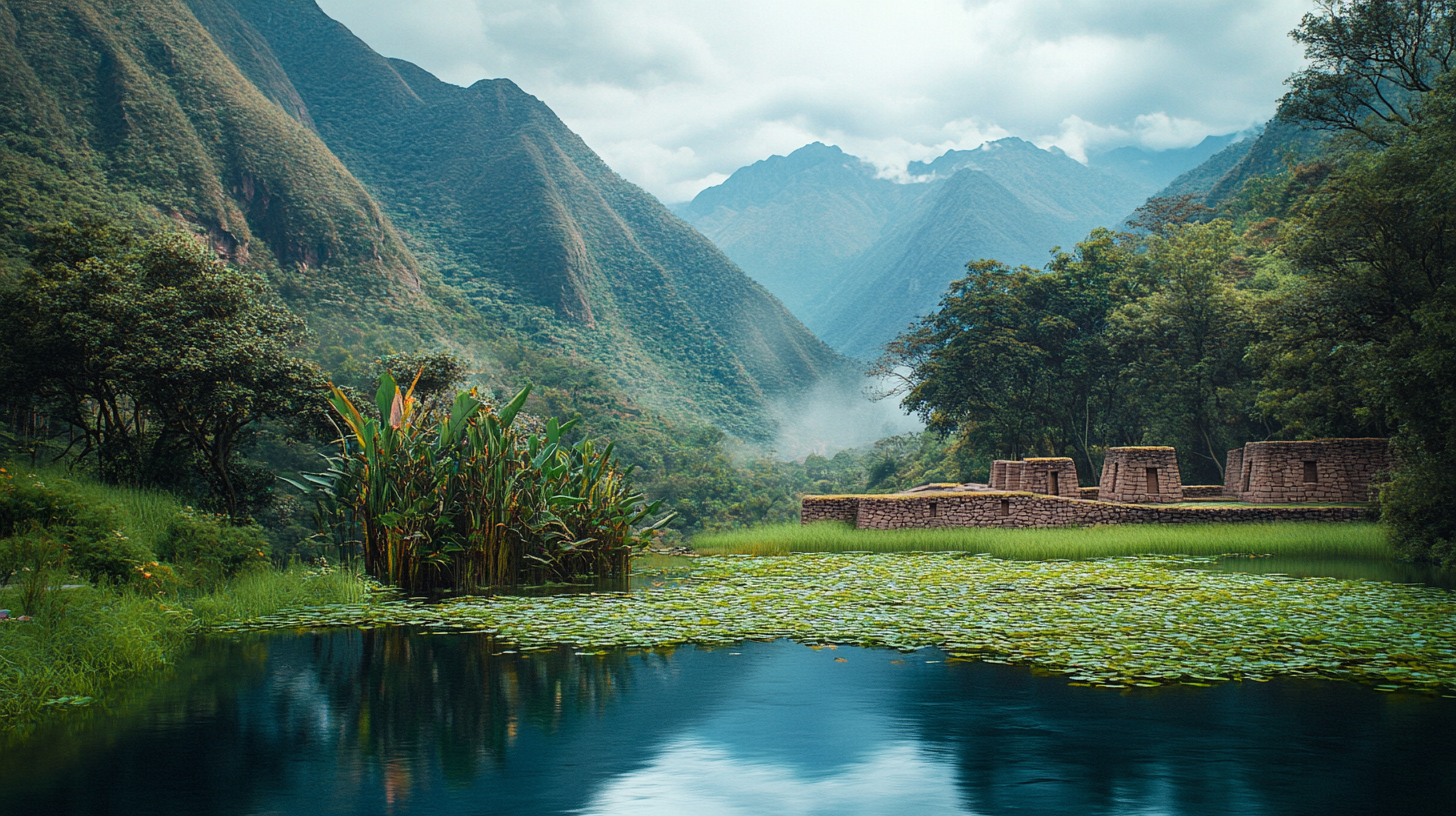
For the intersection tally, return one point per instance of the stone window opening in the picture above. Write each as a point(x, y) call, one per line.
point(1005, 507)
point(1248, 475)
point(934, 509)
point(1055, 488)
point(1113, 487)
point(1153, 481)
point(1311, 472)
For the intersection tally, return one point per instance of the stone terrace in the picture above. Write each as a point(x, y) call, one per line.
point(990, 508)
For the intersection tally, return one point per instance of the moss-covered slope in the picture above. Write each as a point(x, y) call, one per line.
point(293, 148)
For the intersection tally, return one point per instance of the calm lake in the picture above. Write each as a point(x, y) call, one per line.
point(388, 721)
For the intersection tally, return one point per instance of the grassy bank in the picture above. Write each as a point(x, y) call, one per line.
point(85, 637)
point(1303, 539)
point(119, 581)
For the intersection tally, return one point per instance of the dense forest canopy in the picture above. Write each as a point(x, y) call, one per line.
point(1319, 301)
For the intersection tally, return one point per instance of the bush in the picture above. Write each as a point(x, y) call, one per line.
point(1417, 511)
point(91, 535)
point(211, 546)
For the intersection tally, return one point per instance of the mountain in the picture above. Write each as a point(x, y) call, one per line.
point(393, 209)
point(858, 257)
point(1223, 174)
point(1153, 168)
point(109, 109)
point(795, 221)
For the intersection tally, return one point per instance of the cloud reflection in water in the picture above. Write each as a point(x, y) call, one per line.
point(691, 775)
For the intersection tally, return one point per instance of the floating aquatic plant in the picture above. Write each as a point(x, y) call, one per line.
point(1116, 622)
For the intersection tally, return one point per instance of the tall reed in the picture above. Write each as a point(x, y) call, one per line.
point(460, 498)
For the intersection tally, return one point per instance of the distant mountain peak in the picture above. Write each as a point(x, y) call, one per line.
point(858, 256)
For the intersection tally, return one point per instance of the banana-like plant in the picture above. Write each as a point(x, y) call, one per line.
point(460, 498)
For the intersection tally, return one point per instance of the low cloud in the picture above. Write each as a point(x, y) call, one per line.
point(835, 416)
point(677, 95)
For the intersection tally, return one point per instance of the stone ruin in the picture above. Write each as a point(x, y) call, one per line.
point(1320, 470)
point(1047, 475)
point(1143, 475)
point(1006, 474)
point(1043, 492)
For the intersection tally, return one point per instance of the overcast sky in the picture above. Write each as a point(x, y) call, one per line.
point(677, 94)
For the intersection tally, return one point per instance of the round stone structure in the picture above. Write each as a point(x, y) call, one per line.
point(1050, 476)
point(1141, 475)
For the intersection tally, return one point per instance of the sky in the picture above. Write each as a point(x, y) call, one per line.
point(677, 94)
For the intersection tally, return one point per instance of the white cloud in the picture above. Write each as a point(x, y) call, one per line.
point(675, 94)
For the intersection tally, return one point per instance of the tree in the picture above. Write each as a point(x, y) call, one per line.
point(1377, 307)
point(156, 353)
point(1016, 362)
point(1370, 62)
point(1184, 345)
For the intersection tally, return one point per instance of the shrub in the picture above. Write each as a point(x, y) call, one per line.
point(1417, 511)
point(211, 546)
point(91, 534)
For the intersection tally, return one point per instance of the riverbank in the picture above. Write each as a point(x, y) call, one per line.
point(81, 639)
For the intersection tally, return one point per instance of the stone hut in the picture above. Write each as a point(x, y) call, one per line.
point(1006, 474)
point(1233, 473)
point(1320, 470)
point(1141, 475)
point(1050, 476)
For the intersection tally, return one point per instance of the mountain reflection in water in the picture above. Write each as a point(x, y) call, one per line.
point(388, 722)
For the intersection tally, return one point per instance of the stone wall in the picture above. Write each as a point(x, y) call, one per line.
point(1141, 475)
point(828, 508)
point(1088, 493)
point(1005, 509)
point(1007, 474)
point(1202, 492)
point(1321, 470)
point(1233, 472)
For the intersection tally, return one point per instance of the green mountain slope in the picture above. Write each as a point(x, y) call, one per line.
point(132, 109)
point(968, 216)
point(1153, 168)
point(392, 209)
point(796, 221)
point(518, 213)
point(1222, 176)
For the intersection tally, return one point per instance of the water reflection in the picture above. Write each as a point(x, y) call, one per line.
point(692, 775)
point(1345, 569)
point(384, 721)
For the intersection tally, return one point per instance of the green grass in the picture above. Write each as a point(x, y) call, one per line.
point(145, 514)
point(82, 639)
point(1357, 540)
point(266, 591)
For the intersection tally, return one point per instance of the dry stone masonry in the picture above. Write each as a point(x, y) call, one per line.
point(1141, 476)
point(1043, 492)
point(1050, 476)
point(1005, 509)
point(1006, 474)
point(1320, 470)
point(1233, 472)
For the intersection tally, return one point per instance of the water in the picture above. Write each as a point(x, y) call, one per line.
point(391, 722)
point(1346, 569)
